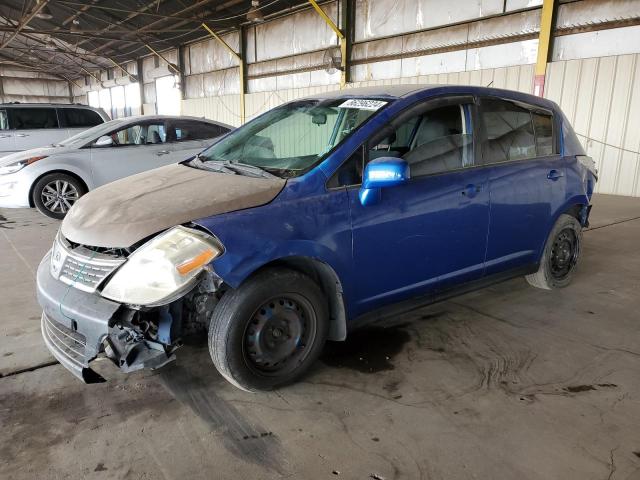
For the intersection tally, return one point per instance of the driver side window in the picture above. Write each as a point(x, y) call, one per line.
point(432, 141)
point(140, 134)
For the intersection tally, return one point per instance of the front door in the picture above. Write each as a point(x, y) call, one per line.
point(430, 233)
point(136, 148)
point(526, 180)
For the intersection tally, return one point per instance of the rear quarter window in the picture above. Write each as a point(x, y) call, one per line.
point(78, 118)
point(543, 127)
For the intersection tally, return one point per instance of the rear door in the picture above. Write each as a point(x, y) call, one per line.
point(7, 140)
point(526, 180)
point(76, 120)
point(137, 147)
point(430, 233)
point(35, 127)
point(189, 137)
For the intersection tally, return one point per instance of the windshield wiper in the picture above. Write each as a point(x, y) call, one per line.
point(211, 165)
point(251, 170)
point(230, 166)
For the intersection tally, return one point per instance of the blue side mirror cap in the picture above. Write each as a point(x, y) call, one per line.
point(380, 173)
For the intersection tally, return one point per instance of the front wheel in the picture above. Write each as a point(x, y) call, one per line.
point(560, 256)
point(269, 331)
point(55, 194)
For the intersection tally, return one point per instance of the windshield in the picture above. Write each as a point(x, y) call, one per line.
point(291, 139)
point(92, 134)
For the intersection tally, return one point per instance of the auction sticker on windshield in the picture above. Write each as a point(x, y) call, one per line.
point(363, 104)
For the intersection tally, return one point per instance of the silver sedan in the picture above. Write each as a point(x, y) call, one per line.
point(53, 178)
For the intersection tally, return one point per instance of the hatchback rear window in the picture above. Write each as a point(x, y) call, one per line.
point(34, 118)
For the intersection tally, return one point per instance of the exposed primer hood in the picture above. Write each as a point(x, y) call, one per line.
point(124, 212)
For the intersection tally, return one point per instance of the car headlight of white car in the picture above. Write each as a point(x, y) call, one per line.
point(16, 166)
point(163, 268)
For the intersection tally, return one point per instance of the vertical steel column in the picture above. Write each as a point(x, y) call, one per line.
point(140, 78)
point(348, 22)
point(544, 43)
point(341, 37)
point(182, 51)
point(241, 65)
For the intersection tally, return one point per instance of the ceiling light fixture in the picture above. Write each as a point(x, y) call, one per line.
point(44, 13)
point(254, 14)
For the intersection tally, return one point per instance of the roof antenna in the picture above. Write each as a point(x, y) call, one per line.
point(490, 83)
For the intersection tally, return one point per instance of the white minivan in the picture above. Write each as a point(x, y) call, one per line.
point(24, 126)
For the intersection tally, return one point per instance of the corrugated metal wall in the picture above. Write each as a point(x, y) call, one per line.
point(601, 98)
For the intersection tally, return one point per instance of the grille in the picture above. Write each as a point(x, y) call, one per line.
point(81, 267)
point(68, 342)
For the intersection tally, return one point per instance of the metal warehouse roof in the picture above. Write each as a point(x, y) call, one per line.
point(68, 37)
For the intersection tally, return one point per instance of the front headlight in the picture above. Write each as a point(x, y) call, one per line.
point(16, 166)
point(162, 267)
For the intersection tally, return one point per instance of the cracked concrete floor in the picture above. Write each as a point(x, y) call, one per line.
point(505, 383)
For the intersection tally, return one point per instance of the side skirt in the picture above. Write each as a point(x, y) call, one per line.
point(415, 303)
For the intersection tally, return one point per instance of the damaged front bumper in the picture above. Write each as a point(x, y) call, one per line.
point(78, 326)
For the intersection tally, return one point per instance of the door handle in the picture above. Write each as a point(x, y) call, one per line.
point(471, 190)
point(162, 152)
point(554, 175)
point(22, 135)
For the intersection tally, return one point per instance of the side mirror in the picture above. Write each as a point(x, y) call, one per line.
point(380, 173)
point(104, 141)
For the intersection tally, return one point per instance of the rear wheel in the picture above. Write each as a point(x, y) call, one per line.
point(55, 194)
point(269, 331)
point(560, 256)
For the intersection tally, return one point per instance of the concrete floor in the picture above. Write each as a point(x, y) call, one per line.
point(505, 383)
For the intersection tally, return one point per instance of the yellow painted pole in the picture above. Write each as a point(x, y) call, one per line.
point(158, 54)
point(92, 75)
point(544, 41)
point(124, 70)
point(341, 37)
point(240, 65)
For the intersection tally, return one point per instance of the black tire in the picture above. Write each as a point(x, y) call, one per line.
point(55, 193)
point(275, 300)
point(560, 256)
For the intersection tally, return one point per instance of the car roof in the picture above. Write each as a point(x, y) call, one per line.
point(136, 118)
point(406, 90)
point(51, 105)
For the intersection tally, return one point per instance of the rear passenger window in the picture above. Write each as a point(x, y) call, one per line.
point(78, 118)
point(543, 127)
point(508, 132)
point(34, 118)
point(186, 130)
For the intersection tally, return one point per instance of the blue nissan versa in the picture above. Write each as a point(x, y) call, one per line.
point(318, 216)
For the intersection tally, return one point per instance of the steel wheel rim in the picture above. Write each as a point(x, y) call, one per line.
point(278, 335)
point(564, 253)
point(58, 196)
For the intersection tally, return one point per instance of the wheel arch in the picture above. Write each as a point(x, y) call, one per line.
point(326, 277)
point(578, 207)
point(48, 172)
